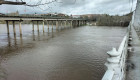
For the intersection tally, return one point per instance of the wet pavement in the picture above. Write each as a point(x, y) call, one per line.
point(134, 58)
point(70, 54)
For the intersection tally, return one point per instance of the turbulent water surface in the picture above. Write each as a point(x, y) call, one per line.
point(68, 54)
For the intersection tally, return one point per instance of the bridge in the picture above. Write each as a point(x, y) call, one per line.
point(116, 63)
point(49, 20)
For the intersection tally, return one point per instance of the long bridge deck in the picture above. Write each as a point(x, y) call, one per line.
point(39, 18)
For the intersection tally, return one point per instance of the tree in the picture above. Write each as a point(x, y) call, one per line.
point(12, 3)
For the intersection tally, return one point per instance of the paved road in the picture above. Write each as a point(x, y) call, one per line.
point(134, 58)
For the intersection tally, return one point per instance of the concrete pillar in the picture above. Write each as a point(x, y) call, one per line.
point(48, 24)
point(83, 22)
point(68, 24)
point(71, 24)
point(14, 29)
point(20, 28)
point(33, 25)
point(33, 36)
point(75, 23)
point(15, 39)
point(7, 23)
point(56, 25)
point(78, 23)
point(48, 32)
point(52, 25)
point(43, 25)
point(61, 24)
point(65, 24)
point(37, 26)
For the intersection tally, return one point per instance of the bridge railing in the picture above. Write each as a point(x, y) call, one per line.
point(38, 16)
point(32, 16)
point(116, 63)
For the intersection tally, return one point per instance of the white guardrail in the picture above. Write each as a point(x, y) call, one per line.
point(116, 66)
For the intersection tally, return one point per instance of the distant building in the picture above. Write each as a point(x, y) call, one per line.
point(76, 16)
point(91, 16)
point(48, 14)
point(13, 13)
point(61, 15)
point(2, 14)
point(54, 14)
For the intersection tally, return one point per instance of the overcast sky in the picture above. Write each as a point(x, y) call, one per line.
point(71, 7)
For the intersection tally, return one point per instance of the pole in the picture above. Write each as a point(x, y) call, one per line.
point(7, 23)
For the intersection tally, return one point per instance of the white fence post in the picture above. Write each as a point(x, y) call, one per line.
point(115, 64)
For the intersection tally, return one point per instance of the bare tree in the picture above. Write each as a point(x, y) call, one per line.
point(11, 2)
point(41, 4)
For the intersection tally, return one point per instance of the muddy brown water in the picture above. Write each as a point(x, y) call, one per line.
point(70, 54)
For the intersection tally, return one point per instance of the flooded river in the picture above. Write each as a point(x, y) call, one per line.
point(68, 54)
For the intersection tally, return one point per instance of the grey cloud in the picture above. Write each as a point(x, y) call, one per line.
point(78, 7)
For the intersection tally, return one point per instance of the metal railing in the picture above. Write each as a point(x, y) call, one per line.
point(116, 63)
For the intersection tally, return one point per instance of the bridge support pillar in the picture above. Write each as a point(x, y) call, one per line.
point(79, 23)
point(61, 25)
point(56, 25)
point(48, 24)
point(37, 26)
point(65, 25)
point(71, 25)
point(20, 28)
point(74, 24)
point(7, 23)
point(32, 26)
point(85, 22)
point(14, 29)
point(52, 25)
point(43, 25)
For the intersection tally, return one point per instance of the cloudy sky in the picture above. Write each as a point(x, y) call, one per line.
point(71, 7)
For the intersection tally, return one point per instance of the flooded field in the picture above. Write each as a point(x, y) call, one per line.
point(68, 54)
